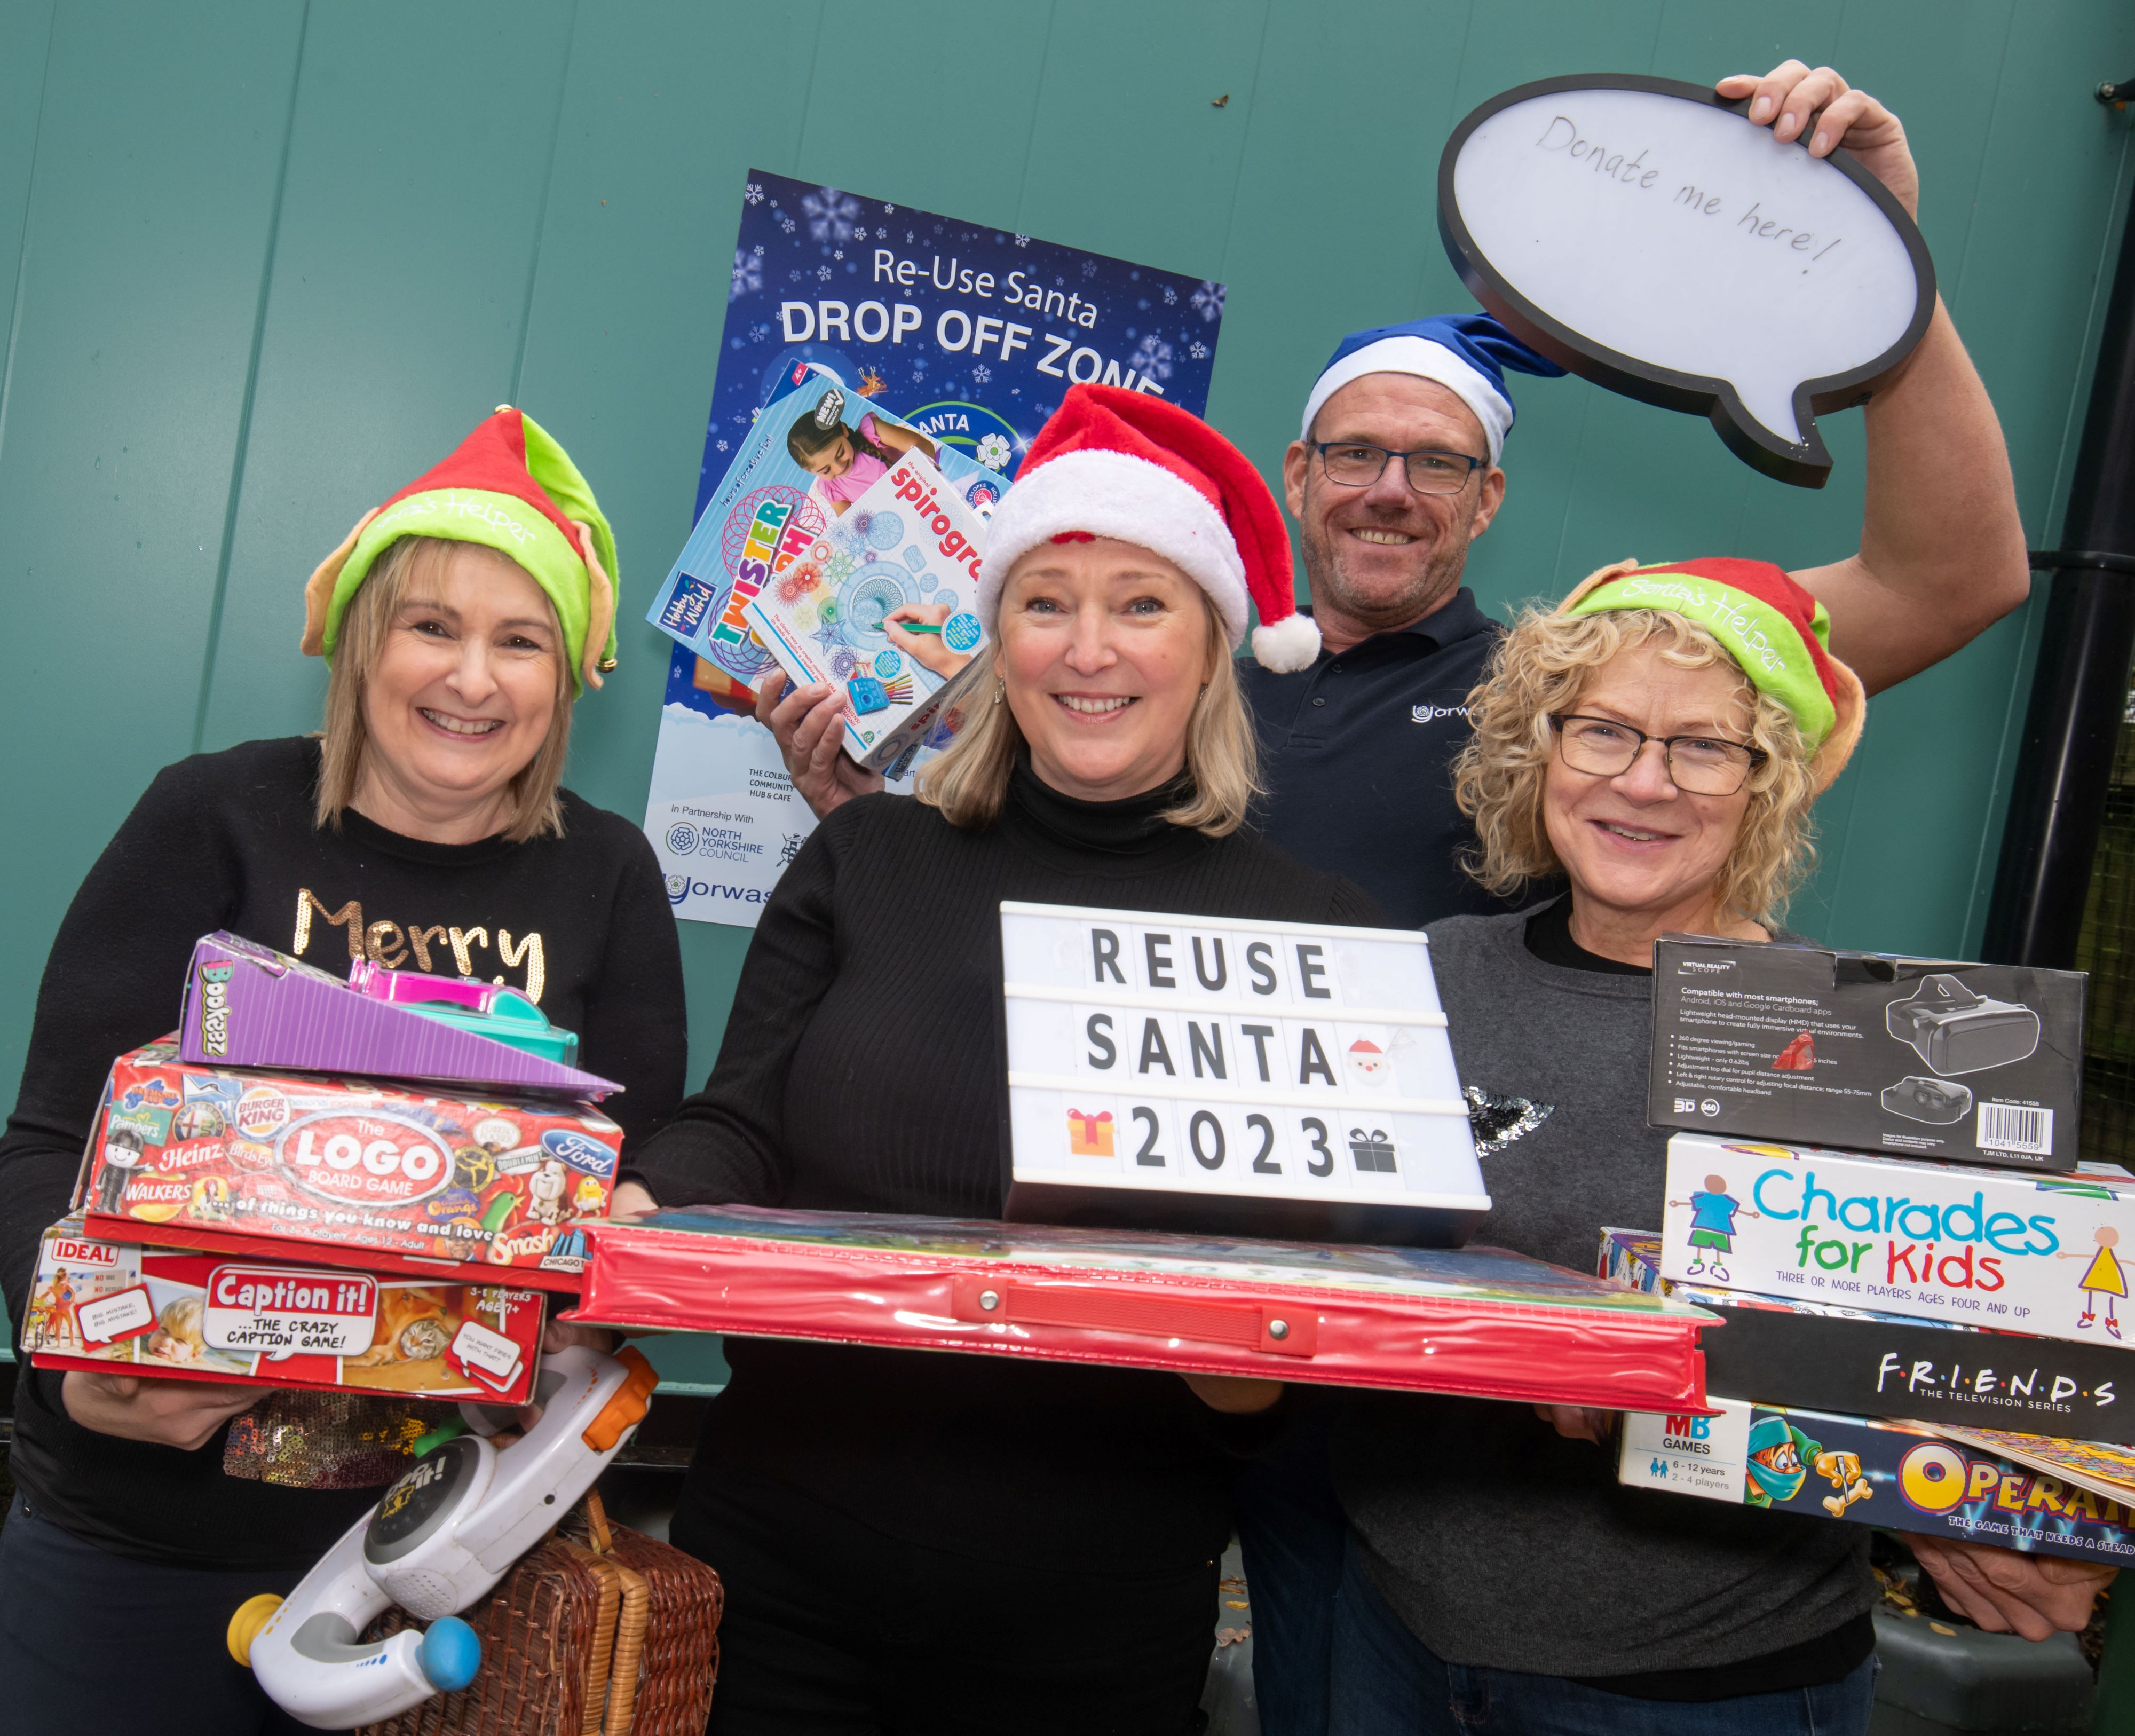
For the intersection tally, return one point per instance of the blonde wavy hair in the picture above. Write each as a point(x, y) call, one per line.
point(1543, 665)
point(969, 782)
point(537, 811)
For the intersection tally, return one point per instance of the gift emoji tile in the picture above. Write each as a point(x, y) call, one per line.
point(1090, 1135)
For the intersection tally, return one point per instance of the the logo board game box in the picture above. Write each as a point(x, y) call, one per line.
point(357, 1172)
point(1918, 1057)
point(171, 1311)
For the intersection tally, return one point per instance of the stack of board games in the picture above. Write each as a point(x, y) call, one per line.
point(295, 1110)
point(1928, 1332)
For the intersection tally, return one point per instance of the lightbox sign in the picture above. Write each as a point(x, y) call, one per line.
point(1643, 234)
point(1272, 1078)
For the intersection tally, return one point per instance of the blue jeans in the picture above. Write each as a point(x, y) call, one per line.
point(1291, 1532)
point(1386, 1682)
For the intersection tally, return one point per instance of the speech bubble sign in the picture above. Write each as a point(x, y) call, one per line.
point(1642, 234)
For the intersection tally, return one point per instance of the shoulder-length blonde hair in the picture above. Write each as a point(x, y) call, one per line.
point(537, 811)
point(969, 781)
point(1542, 666)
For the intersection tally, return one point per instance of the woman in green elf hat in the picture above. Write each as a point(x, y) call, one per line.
point(426, 828)
point(1656, 743)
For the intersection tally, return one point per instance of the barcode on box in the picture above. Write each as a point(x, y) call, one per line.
point(2007, 1128)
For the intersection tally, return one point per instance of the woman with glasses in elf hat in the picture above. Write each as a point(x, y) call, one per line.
point(426, 827)
point(884, 1519)
point(1657, 742)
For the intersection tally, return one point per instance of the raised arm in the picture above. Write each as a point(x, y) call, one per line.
point(1942, 554)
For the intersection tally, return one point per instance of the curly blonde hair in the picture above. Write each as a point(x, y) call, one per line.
point(1541, 666)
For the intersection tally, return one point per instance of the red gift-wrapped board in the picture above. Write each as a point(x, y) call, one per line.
point(1475, 1320)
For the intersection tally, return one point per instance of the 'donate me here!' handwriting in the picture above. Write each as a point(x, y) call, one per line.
point(1607, 164)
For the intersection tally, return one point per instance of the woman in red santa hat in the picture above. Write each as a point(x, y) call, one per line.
point(890, 1524)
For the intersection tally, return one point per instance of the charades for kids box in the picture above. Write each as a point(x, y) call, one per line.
point(1830, 1355)
point(1920, 1057)
point(802, 467)
point(95, 1304)
point(909, 545)
point(2023, 1252)
point(2027, 1492)
point(356, 1172)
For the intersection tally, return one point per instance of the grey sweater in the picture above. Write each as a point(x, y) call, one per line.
point(1499, 1542)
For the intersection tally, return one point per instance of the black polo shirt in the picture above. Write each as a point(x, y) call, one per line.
point(1355, 754)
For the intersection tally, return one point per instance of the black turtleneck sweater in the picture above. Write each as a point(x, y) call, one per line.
point(862, 1069)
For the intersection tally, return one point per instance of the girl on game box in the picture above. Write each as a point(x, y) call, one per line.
point(848, 461)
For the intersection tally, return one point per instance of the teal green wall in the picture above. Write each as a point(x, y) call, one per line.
point(261, 263)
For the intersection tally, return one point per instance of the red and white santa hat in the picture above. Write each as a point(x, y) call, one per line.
point(1120, 463)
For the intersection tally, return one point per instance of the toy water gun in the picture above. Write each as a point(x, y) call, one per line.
point(483, 1009)
point(443, 1536)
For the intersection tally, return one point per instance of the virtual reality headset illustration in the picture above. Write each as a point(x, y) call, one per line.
point(1956, 1031)
point(1927, 1099)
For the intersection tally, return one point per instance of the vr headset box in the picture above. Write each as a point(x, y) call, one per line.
point(1868, 1051)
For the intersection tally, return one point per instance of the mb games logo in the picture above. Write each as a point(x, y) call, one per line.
point(214, 1007)
point(1687, 1434)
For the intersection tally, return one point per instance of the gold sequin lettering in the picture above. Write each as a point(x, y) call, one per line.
point(382, 941)
point(349, 916)
point(463, 938)
point(420, 939)
point(529, 951)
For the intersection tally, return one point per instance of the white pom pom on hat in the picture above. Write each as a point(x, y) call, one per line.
point(1118, 464)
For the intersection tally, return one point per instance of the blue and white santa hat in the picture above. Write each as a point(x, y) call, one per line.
point(1466, 353)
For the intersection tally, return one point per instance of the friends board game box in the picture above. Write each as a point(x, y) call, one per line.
point(1477, 1321)
point(1971, 1063)
point(2061, 1498)
point(95, 1304)
point(884, 605)
point(810, 454)
point(1936, 1241)
point(354, 1171)
point(246, 1004)
point(1828, 1356)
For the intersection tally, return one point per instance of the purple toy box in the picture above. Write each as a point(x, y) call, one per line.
point(248, 1005)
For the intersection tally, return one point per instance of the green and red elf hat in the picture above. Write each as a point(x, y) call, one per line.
point(510, 488)
point(1777, 633)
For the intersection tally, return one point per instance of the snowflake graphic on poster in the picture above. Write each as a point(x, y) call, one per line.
point(981, 373)
point(1152, 357)
point(859, 235)
point(918, 370)
point(1022, 240)
point(721, 445)
point(1198, 350)
point(889, 209)
point(829, 214)
point(1170, 296)
point(838, 254)
point(824, 273)
point(786, 223)
point(748, 275)
point(992, 451)
point(753, 193)
point(1208, 298)
point(1089, 268)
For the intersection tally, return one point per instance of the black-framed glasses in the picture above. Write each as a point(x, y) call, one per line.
point(1355, 465)
point(1703, 765)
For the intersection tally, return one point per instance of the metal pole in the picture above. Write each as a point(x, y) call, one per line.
point(2079, 693)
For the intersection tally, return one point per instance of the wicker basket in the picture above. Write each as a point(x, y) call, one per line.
point(600, 1631)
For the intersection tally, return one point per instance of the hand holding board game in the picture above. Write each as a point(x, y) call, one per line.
point(1643, 234)
point(1254, 1076)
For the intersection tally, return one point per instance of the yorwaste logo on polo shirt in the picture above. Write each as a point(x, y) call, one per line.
point(1431, 713)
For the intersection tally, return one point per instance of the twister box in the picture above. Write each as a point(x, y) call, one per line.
point(884, 605)
point(1909, 1057)
point(1830, 1355)
point(1935, 1241)
point(206, 1316)
point(356, 1172)
point(2061, 1498)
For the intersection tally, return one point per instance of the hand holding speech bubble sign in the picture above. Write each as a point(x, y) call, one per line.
point(1644, 235)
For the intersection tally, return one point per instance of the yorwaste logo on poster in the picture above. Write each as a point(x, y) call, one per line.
point(971, 334)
